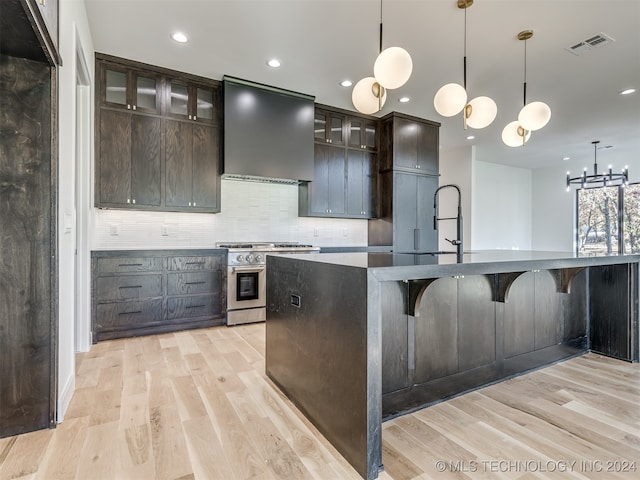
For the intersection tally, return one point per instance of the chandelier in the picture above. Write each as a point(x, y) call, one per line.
point(604, 179)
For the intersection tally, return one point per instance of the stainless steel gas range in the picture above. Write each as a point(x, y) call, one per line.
point(247, 275)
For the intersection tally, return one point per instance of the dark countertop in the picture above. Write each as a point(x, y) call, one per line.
point(405, 266)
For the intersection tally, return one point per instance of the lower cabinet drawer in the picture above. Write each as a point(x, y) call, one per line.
point(194, 282)
point(128, 315)
point(128, 264)
point(128, 287)
point(193, 306)
point(196, 263)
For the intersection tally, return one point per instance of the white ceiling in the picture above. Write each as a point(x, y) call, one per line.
point(322, 42)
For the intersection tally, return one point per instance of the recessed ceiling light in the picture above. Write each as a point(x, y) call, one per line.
point(404, 99)
point(628, 91)
point(470, 137)
point(346, 83)
point(566, 158)
point(179, 37)
point(274, 63)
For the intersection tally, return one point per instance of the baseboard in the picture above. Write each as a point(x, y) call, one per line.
point(64, 398)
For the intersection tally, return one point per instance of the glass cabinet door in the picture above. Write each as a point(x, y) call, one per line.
point(355, 133)
point(337, 131)
point(146, 93)
point(116, 87)
point(179, 102)
point(204, 103)
point(320, 127)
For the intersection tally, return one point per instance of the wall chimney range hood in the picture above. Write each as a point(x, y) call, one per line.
point(268, 133)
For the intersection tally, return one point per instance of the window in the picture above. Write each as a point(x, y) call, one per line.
point(605, 216)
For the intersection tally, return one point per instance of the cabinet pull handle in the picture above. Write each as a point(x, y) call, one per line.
point(195, 283)
point(130, 286)
point(416, 238)
point(130, 313)
point(196, 306)
point(129, 264)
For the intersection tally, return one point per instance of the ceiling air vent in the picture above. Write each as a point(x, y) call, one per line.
point(590, 43)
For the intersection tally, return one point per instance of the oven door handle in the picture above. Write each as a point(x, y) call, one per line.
point(247, 269)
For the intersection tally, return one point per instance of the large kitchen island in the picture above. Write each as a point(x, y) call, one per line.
point(356, 338)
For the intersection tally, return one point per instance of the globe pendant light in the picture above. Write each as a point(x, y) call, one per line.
point(451, 98)
point(368, 96)
point(391, 70)
point(514, 135)
point(534, 115)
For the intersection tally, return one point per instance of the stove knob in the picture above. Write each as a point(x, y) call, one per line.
point(249, 258)
point(259, 258)
point(240, 259)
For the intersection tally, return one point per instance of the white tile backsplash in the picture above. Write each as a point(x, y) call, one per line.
point(251, 211)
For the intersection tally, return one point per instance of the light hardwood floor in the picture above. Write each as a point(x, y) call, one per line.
point(197, 405)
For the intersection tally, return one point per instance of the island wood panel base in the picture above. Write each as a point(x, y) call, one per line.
point(460, 339)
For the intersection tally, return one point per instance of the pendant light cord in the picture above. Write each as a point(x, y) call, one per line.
point(464, 66)
point(380, 27)
point(524, 96)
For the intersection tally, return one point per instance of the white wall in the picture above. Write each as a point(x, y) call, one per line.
point(73, 31)
point(502, 207)
point(456, 168)
point(250, 212)
point(553, 211)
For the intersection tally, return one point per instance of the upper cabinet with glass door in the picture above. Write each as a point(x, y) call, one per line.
point(130, 89)
point(329, 127)
point(191, 101)
point(362, 133)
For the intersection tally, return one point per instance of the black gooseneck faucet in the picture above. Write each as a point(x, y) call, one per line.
point(457, 242)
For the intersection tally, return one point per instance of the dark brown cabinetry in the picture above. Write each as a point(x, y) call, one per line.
point(192, 181)
point(158, 141)
point(407, 180)
point(409, 144)
point(145, 292)
point(130, 150)
point(345, 167)
point(28, 235)
point(192, 101)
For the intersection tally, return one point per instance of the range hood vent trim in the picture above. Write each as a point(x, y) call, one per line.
point(253, 178)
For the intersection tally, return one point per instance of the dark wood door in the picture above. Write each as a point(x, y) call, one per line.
point(129, 167)
point(205, 147)
point(406, 236)
point(178, 164)
point(360, 188)
point(427, 146)
point(28, 296)
point(405, 143)
point(146, 136)
point(114, 171)
point(328, 187)
point(428, 236)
